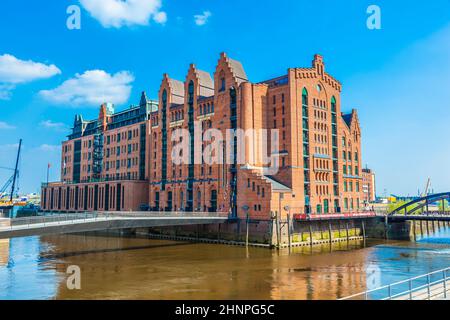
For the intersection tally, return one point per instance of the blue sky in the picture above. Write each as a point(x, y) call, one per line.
point(397, 77)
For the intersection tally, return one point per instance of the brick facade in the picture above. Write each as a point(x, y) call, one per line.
point(319, 152)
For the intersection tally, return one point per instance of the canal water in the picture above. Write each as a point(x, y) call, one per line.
point(137, 268)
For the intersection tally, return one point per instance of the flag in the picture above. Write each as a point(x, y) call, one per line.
point(49, 165)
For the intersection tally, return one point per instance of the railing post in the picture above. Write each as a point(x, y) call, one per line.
point(428, 286)
point(410, 289)
point(389, 292)
point(445, 283)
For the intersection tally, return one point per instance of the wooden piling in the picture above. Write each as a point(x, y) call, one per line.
point(329, 232)
point(289, 229)
point(346, 230)
point(310, 234)
point(421, 228)
point(277, 223)
point(246, 231)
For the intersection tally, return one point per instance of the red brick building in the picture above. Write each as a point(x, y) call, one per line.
point(369, 191)
point(126, 160)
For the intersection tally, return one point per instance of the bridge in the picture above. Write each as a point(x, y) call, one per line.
point(418, 209)
point(98, 221)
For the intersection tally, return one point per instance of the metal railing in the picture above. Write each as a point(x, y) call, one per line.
point(67, 218)
point(431, 286)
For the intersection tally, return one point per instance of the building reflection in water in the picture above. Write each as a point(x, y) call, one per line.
point(119, 268)
point(327, 273)
point(4, 252)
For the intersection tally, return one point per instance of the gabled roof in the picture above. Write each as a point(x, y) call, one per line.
point(238, 70)
point(177, 91)
point(206, 83)
point(277, 186)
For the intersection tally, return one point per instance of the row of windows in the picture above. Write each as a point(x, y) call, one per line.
point(347, 155)
point(319, 103)
point(259, 190)
point(320, 115)
point(348, 186)
point(67, 148)
point(348, 170)
point(350, 201)
point(206, 108)
point(177, 115)
point(130, 162)
point(274, 98)
point(320, 138)
point(121, 136)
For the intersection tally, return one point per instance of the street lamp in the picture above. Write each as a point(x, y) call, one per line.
point(246, 208)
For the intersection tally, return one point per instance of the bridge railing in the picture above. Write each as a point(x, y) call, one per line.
point(109, 215)
point(429, 286)
point(174, 214)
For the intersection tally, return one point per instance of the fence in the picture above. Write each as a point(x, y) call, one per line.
point(431, 286)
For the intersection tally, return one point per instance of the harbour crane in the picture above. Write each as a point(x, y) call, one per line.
point(12, 181)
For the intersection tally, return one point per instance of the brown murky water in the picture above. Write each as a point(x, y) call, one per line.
point(121, 268)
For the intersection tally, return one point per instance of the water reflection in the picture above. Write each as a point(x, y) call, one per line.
point(115, 268)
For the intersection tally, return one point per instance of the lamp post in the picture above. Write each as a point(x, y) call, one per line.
point(288, 209)
point(246, 208)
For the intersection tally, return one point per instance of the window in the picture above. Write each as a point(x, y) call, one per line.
point(222, 84)
point(344, 167)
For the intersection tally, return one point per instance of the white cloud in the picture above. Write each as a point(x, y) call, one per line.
point(119, 13)
point(92, 88)
point(14, 71)
point(6, 126)
point(202, 19)
point(49, 124)
point(48, 148)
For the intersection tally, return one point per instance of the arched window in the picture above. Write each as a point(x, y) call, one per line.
point(333, 104)
point(305, 96)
